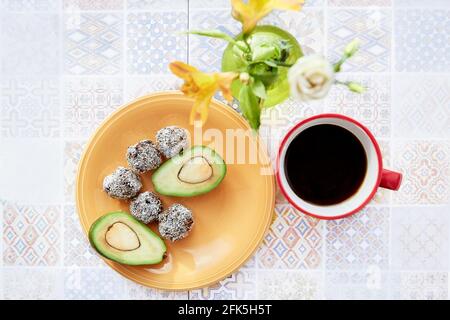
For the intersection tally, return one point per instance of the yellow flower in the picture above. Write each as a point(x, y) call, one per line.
point(202, 87)
point(254, 10)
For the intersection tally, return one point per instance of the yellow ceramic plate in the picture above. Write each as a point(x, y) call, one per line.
point(230, 221)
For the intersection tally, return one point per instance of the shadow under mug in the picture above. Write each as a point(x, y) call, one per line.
point(376, 176)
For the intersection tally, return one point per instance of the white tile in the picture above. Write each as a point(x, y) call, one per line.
point(31, 171)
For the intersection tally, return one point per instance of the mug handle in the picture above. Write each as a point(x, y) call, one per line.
point(390, 179)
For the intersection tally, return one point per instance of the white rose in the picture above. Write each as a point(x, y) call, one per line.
point(310, 77)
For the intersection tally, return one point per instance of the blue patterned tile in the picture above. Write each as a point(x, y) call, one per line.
point(93, 4)
point(369, 283)
point(206, 53)
point(421, 3)
point(422, 106)
point(30, 108)
point(240, 285)
point(157, 4)
point(422, 40)
point(289, 285)
point(87, 102)
point(33, 283)
point(93, 43)
point(22, 37)
point(372, 108)
point(420, 241)
point(29, 5)
point(294, 241)
point(93, 284)
point(359, 241)
point(371, 27)
point(154, 40)
point(360, 3)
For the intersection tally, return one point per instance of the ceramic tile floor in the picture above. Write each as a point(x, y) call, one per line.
point(65, 65)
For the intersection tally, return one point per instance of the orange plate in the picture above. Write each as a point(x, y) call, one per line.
point(230, 221)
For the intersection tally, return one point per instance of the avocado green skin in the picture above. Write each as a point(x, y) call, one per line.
point(129, 217)
point(280, 91)
point(191, 193)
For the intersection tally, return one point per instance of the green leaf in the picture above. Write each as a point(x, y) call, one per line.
point(264, 52)
point(249, 104)
point(261, 71)
point(213, 34)
point(258, 89)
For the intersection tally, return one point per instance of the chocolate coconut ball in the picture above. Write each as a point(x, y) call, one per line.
point(122, 184)
point(171, 141)
point(143, 156)
point(146, 207)
point(175, 222)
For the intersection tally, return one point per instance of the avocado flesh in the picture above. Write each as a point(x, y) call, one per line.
point(118, 236)
point(196, 171)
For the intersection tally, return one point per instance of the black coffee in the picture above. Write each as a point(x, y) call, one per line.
point(325, 164)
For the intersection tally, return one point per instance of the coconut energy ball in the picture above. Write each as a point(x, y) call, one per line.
point(175, 222)
point(143, 156)
point(122, 184)
point(146, 207)
point(171, 140)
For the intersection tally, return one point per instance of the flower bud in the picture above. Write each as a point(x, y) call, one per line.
point(356, 87)
point(351, 48)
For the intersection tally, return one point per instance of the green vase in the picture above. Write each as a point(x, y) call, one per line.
point(278, 91)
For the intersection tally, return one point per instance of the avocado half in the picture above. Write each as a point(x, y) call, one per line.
point(195, 171)
point(118, 236)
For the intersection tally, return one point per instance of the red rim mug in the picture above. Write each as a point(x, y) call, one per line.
point(376, 176)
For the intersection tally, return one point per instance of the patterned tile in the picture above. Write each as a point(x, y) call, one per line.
point(154, 41)
point(88, 102)
point(240, 285)
point(421, 106)
point(371, 284)
point(360, 241)
point(135, 291)
point(159, 4)
point(72, 154)
point(305, 25)
point(371, 27)
point(32, 283)
point(29, 5)
point(294, 241)
point(31, 235)
point(420, 3)
point(372, 108)
point(225, 4)
point(420, 240)
point(421, 40)
point(22, 37)
point(93, 4)
point(426, 168)
point(30, 108)
point(93, 284)
point(77, 250)
point(360, 3)
point(31, 169)
point(206, 53)
point(421, 286)
point(289, 285)
point(93, 43)
point(139, 86)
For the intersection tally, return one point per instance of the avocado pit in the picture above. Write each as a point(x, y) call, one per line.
point(195, 170)
point(121, 237)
